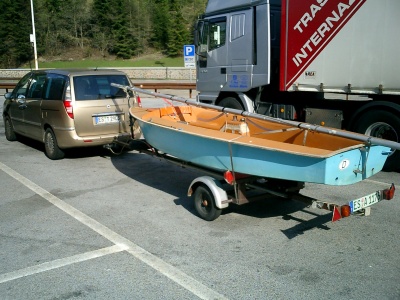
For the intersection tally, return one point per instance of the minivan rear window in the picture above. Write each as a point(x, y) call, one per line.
point(94, 87)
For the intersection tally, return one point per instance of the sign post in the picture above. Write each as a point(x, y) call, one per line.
point(33, 37)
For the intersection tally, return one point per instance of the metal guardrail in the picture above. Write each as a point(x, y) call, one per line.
point(167, 85)
point(8, 83)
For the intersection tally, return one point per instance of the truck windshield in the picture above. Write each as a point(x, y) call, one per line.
point(211, 36)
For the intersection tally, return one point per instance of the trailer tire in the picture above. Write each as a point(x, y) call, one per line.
point(231, 102)
point(382, 124)
point(204, 203)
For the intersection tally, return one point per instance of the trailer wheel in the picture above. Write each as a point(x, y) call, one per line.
point(231, 102)
point(385, 125)
point(204, 203)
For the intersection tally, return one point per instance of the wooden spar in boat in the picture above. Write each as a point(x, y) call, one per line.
point(369, 140)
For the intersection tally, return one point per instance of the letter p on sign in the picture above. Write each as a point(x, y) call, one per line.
point(188, 50)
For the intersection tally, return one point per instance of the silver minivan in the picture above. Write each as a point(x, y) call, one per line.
point(68, 108)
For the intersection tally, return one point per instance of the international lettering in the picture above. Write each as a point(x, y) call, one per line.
point(322, 31)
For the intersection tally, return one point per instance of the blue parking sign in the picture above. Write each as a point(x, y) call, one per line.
point(188, 50)
point(189, 56)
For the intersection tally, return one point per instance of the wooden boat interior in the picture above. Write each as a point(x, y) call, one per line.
point(249, 127)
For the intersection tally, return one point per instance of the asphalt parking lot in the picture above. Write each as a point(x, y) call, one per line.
point(101, 226)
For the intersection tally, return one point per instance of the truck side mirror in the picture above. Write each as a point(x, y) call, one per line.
point(198, 33)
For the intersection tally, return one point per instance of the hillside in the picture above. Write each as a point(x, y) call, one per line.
point(96, 29)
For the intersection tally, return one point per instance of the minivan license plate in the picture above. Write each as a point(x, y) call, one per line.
point(107, 119)
point(365, 201)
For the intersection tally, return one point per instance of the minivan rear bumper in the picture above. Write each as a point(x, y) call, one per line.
point(69, 139)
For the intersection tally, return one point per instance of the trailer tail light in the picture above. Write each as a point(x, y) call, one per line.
point(68, 102)
point(339, 212)
point(345, 211)
point(388, 194)
point(229, 177)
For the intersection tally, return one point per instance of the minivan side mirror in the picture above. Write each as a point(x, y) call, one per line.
point(21, 99)
point(7, 95)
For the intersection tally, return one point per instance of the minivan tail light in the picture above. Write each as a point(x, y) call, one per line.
point(68, 102)
point(68, 108)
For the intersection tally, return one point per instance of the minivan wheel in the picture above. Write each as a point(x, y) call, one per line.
point(51, 147)
point(9, 130)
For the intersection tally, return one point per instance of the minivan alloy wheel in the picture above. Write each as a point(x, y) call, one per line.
point(9, 129)
point(51, 147)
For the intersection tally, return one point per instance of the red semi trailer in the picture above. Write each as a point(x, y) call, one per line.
point(327, 62)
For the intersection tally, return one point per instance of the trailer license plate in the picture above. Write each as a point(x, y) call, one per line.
point(365, 201)
point(107, 119)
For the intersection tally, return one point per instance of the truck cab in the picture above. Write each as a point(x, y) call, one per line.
point(237, 49)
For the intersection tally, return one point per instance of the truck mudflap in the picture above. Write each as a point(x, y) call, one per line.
point(357, 206)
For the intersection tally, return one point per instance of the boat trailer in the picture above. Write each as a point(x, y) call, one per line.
point(215, 190)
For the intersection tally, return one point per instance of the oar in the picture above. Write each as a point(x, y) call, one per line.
point(317, 128)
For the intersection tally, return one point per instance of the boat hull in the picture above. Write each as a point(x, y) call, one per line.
point(238, 154)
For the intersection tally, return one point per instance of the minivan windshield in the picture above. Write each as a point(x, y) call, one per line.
point(94, 87)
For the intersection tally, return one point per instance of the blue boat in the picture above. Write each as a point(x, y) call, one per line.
point(230, 140)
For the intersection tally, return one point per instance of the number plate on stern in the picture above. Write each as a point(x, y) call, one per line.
point(107, 119)
point(365, 201)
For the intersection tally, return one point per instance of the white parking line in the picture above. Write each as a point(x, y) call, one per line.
point(58, 263)
point(184, 280)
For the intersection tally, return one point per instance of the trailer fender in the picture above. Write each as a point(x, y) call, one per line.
point(220, 195)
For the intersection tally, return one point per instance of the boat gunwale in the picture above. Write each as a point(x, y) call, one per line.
point(243, 140)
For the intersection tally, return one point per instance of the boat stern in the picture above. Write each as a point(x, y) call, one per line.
point(355, 165)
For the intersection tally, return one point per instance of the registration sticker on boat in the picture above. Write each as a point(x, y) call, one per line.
point(107, 119)
point(344, 164)
point(365, 201)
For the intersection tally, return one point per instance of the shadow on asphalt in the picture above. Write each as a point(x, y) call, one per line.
point(74, 153)
point(157, 173)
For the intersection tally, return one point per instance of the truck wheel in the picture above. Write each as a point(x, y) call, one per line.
point(9, 130)
point(204, 203)
point(51, 147)
point(385, 125)
point(231, 102)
